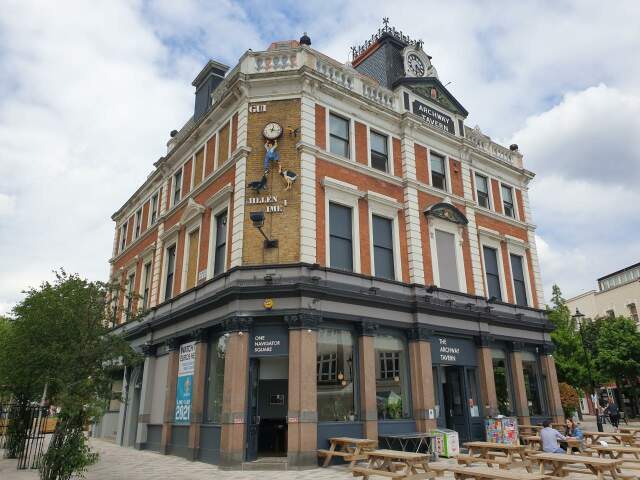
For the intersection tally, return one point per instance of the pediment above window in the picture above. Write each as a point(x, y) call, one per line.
point(446, 211)
point(192, 210)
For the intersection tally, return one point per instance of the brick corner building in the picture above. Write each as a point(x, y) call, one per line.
point(373, 272)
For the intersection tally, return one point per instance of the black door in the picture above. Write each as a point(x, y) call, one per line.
point(253, 424)
point(455, 410)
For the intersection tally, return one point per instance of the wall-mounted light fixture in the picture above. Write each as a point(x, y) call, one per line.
point(258, 221)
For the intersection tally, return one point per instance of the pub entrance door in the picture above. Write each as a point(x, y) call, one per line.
point(455, 410)
point(267, 426)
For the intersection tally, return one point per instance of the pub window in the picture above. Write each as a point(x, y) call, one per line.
point(507, 201)
point(123, 236)
point(338, 135)
point(379, 152)
point(532, 383)
point(171, 264)
point(447, 261)
point(438, 175)
point(519, 285)
point(131, 280)
point(138, 222)
point(335, 376)
point(221, 243)
point(215, 379)
point(392, 382)
point(177, 187)
point(491, 272)
point(383, 247)
point(501, 379)
point(472, 401)
point(482, 191)
point(147, 286)
point(154, 208)
point(340, 237)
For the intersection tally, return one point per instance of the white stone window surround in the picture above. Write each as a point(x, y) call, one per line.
point(220, 202)
point(389, 138)
point(457, 230)
point(191, 220)
point(519, 247)
point(491, 239)
point(173, 184)
point(386, 207)
point(492, 207)
point(147, 257)
point(150, 201)
point(352, 134)
point(169, 238)
point(447, 173)
point(346, 194)
point(516, 216)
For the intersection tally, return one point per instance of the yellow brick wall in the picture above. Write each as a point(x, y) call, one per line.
point(281, 226)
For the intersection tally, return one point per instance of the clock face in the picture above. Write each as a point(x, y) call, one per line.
point(272, 130)
point(415, 65)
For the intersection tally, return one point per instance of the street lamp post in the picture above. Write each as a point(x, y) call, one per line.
point(579, 319)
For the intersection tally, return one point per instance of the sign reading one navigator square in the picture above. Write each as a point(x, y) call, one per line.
point(434, 117)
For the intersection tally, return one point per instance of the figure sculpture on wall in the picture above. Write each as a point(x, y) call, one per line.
point(271, 154)
point(288, 176)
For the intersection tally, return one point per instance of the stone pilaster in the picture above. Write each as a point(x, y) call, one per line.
point(551, 385)
point(234, 399)
point(519, 390)
point(487, 378)
point(146, 395)
point(302, 415)
point(199, 387)
point(422, 392)
point(367, 362)
point(170, 394)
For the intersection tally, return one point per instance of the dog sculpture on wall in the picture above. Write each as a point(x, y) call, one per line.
point(288, 176)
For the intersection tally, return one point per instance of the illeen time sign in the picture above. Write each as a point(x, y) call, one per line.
point(434, 117)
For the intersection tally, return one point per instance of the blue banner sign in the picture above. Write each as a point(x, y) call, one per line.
point(184, 387)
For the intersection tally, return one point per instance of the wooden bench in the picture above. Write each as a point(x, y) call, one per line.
point(365, 472)
point(348, 456)
point(483, 473)
point(469, 459)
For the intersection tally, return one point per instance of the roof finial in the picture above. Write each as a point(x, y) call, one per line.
point(385, 20)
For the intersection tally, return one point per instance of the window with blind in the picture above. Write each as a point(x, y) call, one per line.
point(491, 272)
point(482, 191)
point(379, 152)
point(438, 173)
point(447, 262)
point(382, 229)
point(519, 284)
point(338, 135)
point(507, 201)
point(340, 237)
point(198, 168)
point(192, 258)
point(221, 243)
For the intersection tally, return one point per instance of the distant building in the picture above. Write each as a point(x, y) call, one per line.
point(618, 294)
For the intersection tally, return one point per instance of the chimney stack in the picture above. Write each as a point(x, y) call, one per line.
point(206, 82)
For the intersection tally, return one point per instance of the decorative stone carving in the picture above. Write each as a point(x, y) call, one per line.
point(419, 333)
point(237, 324)
point(367, 328)
point(303, 321)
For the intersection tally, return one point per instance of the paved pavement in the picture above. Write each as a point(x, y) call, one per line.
point(117, 463)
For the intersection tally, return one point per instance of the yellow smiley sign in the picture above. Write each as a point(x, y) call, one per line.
point(268, 303)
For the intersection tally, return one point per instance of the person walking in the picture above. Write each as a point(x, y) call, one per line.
point(614, 413)
point(549, 438)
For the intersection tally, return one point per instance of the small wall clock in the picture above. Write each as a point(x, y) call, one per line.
point(272, 130)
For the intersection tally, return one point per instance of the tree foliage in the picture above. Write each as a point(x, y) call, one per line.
point(569, 399)
point(59, 338)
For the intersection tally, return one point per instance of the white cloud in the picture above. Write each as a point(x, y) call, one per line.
point(7, 204)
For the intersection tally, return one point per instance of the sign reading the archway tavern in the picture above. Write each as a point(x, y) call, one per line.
point(434, 117)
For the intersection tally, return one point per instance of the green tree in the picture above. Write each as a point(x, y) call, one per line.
point(59, 341)
point(569, 355)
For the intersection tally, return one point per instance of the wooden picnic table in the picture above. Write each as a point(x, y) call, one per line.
point(486, 473)
point(394, 464)
point(560, 463)
point(621, 438)
point(351, 449)
point(617, 451)
point(489, 449)
point(632, 430)
point(534, 441)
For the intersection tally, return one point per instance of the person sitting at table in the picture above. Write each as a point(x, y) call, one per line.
point(549, 438)
point(573, 430)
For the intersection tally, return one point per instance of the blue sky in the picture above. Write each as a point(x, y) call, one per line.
point(90, 90)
